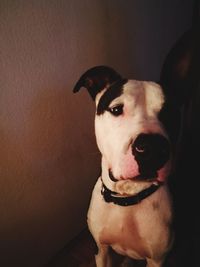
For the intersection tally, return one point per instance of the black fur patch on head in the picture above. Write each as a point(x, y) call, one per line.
point(114, 91)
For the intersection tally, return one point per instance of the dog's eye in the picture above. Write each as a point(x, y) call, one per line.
point(116, 110)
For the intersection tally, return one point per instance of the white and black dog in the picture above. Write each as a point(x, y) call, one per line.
point(130, 209)
point(136, 127)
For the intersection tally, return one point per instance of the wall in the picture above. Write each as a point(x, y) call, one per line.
point(48, 158)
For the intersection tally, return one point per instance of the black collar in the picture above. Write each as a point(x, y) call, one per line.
point(114, 197)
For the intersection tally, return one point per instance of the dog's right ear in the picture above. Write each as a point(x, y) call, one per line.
point(96, 79)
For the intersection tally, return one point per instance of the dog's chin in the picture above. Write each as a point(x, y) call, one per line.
point(133, 185)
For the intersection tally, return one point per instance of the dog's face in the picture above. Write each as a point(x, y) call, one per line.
point(130, 125)
point(133, 141)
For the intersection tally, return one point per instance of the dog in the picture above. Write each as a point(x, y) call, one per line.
point(131, 208)
point(137, 126)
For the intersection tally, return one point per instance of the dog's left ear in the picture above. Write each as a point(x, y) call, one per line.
point(96, 79)
point(180, 71)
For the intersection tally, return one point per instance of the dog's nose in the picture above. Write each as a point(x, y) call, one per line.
point(151, 152)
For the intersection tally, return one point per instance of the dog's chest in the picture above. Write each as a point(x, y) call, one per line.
point(136, 230)
point(123, 235)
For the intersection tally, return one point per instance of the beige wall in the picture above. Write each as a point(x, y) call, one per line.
point(48, 157)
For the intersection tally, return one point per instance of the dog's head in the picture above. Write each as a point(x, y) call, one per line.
point(135, 125)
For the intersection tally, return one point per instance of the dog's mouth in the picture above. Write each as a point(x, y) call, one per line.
point(112, 178)
point(150, 176)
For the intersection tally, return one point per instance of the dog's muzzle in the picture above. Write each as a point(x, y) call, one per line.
point(151, 151)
